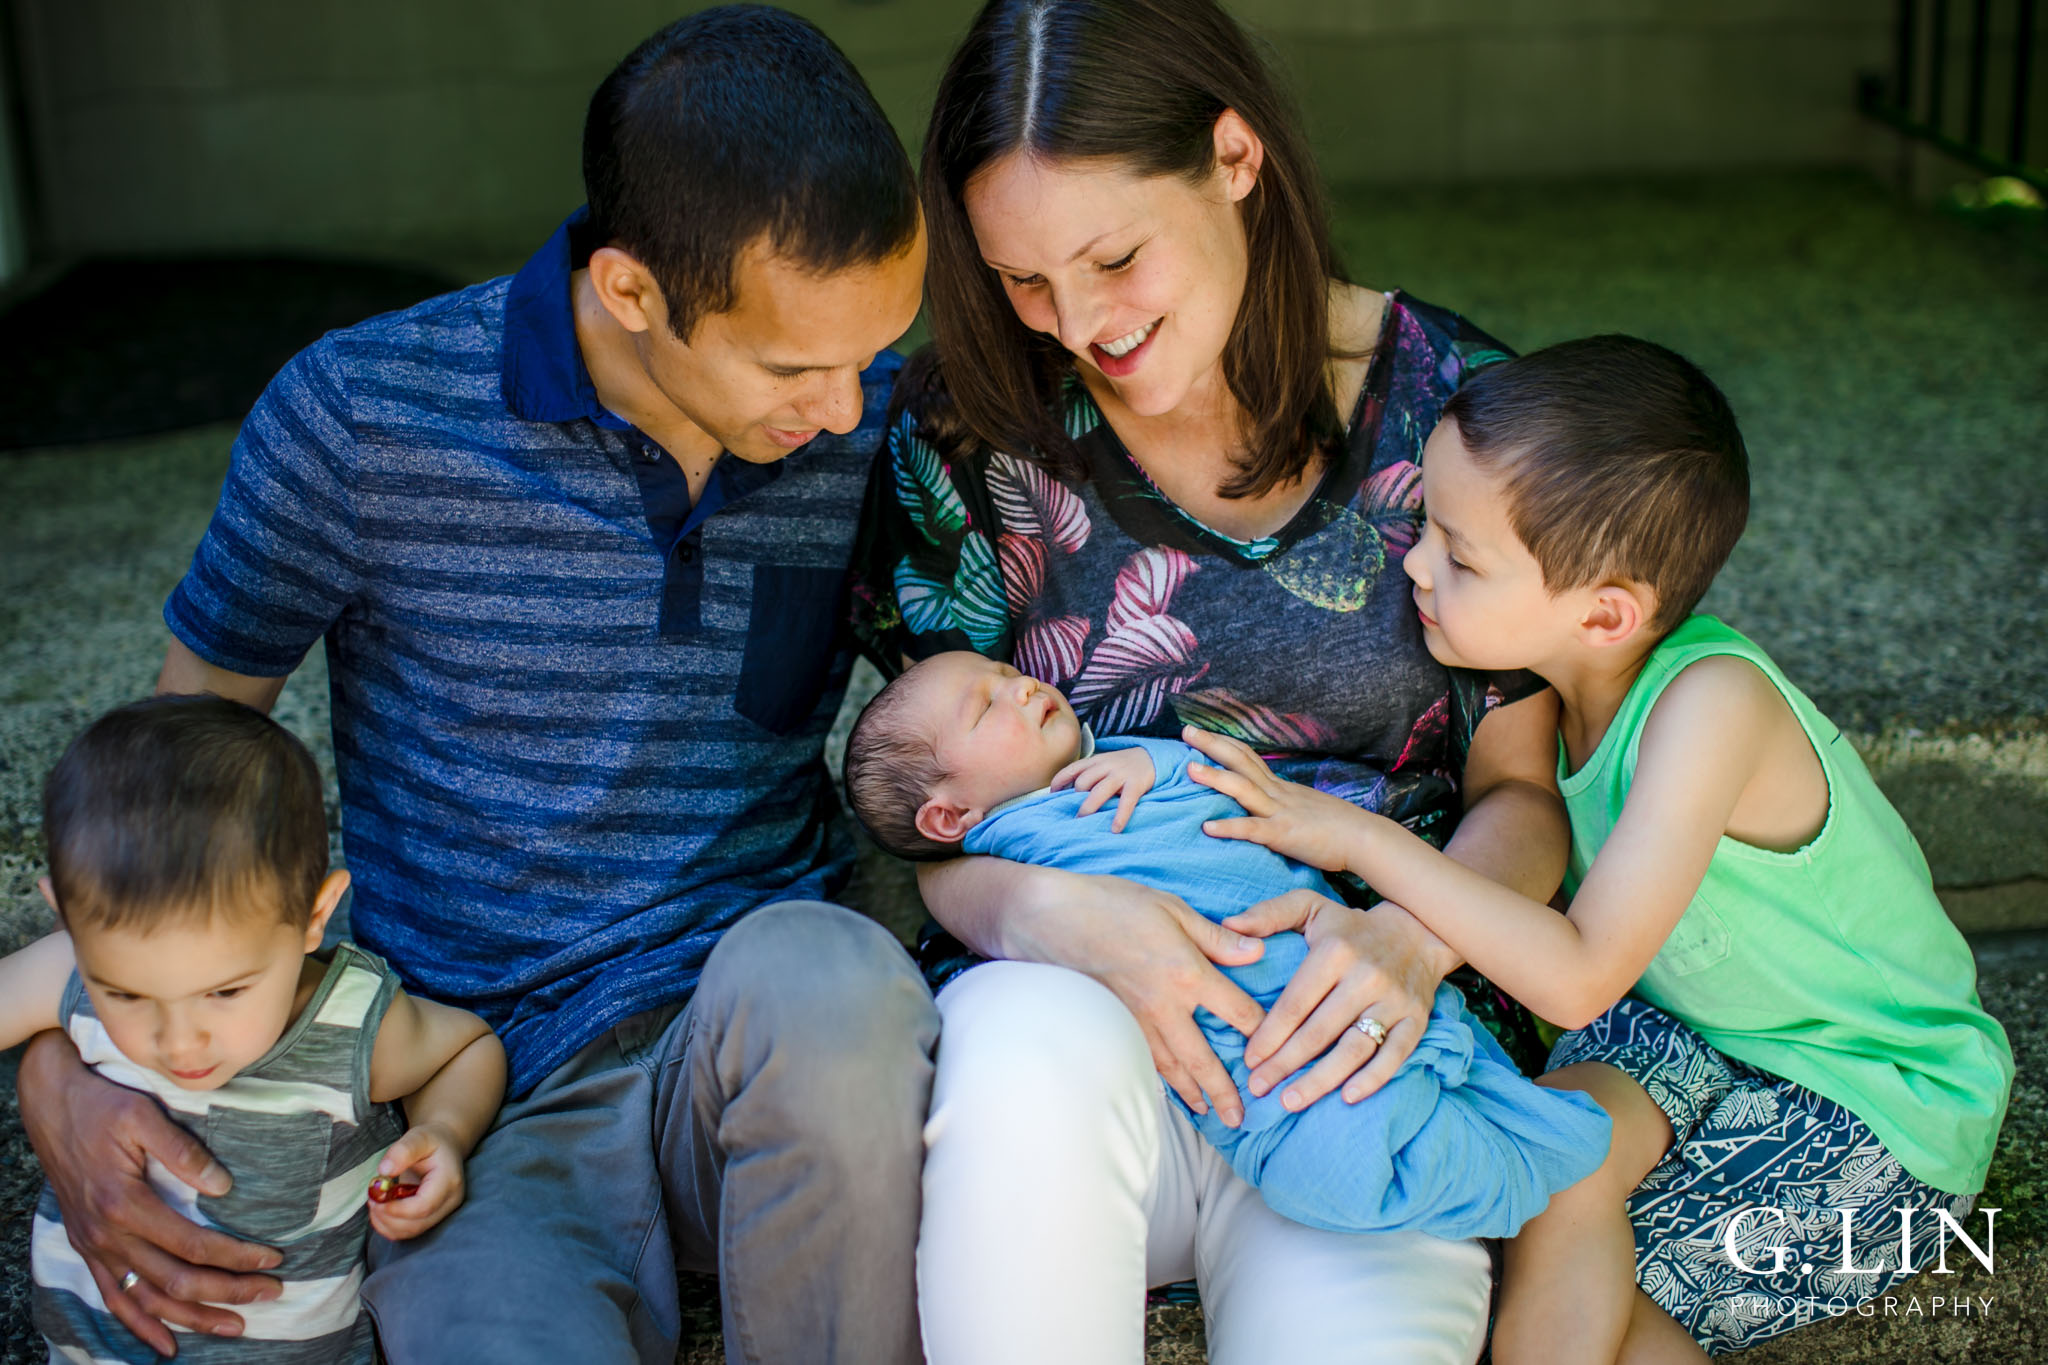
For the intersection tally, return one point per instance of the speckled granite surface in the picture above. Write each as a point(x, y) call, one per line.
point(1891, 368)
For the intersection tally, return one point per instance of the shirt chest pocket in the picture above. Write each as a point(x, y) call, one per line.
point(793, 632)
point(279, 1163)
point(1698, 941)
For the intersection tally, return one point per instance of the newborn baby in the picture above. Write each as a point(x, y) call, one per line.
point(966, 755)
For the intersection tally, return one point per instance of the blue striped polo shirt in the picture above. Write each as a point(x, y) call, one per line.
point(578, 722)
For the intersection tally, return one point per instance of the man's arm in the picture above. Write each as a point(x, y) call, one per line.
point(185, 672)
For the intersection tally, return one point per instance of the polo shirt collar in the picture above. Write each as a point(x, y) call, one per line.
point(543, 377)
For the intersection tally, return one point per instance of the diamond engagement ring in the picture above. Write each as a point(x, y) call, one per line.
point(129, 1281)
point(1371, 1028)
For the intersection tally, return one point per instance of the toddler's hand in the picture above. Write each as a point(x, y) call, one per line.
point(1124, 773)
point(433, 1156)
point(1298, 822)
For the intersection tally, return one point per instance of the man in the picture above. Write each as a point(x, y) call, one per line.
point(577, 540)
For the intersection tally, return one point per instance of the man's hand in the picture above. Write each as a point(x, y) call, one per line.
point(95, 1139)
point(1127, 773)
point(435, 1156)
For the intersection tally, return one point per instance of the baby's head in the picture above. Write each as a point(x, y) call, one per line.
point(188, 862)
point(1580, 497)
point(950, 740)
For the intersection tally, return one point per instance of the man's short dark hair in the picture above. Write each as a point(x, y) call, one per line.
point(892, 767)
point(183, 807)
point(733, 123)
point(1622, 461)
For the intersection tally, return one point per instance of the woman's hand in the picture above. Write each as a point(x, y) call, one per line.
point(95, 1139)
point(1294, 821)
point(1159, 957)
point(1379, 964)
point(1149, 948)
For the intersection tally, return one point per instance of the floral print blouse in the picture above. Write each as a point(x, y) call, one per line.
point(1304, 644)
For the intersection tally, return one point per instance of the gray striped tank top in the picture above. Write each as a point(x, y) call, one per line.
point(298, 1133)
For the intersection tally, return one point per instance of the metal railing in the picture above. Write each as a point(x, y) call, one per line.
point(1892, 101)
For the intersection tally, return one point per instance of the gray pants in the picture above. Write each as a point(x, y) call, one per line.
point(768, 1132)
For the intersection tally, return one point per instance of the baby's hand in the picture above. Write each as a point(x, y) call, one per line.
point(1124, 772)
point(434, 1157)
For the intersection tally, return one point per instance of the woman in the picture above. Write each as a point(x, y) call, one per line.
point(1165, 460)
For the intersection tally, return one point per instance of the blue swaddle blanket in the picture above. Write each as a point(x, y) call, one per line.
point(1458, 1143)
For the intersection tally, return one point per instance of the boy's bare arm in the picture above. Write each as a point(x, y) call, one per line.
point(1514, 829)
point(1704, 742)
point(32, 985)
point(449, 1069)
point(444, 1063)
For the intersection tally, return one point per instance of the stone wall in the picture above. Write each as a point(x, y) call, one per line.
point(448, 129)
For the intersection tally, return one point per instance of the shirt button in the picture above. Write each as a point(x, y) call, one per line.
point(687, 553)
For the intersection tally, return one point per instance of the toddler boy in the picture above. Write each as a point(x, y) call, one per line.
point(188, 870)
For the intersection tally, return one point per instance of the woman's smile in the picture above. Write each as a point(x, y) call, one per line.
point(1122, 356)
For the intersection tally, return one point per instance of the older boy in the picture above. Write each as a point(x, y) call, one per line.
point(1762, 989)
point(575, 541)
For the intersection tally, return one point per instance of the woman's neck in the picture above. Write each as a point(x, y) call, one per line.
point(1192, 451)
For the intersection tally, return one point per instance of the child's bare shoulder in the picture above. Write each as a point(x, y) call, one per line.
point(1727, 685)
point(1723, 723)
point(1719, 717)
point(1722, 698)
point(416, 1037)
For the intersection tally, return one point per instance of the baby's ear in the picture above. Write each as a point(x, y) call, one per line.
point(945, 822)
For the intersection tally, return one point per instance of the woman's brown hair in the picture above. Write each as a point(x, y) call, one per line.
point(1137, 84)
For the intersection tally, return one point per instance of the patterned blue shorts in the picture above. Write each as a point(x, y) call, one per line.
point(1744, 1139)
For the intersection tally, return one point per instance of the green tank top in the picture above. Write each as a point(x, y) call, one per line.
point(1833, 966)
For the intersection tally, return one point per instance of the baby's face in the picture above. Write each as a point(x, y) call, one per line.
point(998, 733)
point(195, 1000)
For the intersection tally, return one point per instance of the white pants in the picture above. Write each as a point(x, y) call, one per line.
point(1060, 1181)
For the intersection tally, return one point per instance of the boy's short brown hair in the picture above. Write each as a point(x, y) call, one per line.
point(181, 807)
point(1621, 459)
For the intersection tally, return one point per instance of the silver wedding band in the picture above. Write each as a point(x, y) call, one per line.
point(1371, 1028)
point(129, 1281)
